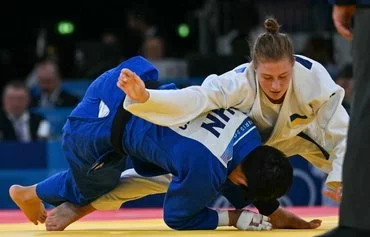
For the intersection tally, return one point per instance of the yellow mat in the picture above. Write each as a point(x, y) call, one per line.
point(152, 228)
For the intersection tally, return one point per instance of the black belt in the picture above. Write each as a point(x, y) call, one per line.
point(119, 122)
point(308, 138)
point(121, 119)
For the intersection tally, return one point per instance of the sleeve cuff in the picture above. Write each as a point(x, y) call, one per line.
point(223, 218)
point(127, 102)
point(333, 180)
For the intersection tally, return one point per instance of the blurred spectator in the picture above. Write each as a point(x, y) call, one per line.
point(344, 79)
point(244, 19)
point(321, 49)
point(154, 48)
point(110, 38)
point(141, 21)
point(93, 57)
point(49, 83)
point(16, 121)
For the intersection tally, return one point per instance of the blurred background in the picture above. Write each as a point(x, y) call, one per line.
point(50, 51)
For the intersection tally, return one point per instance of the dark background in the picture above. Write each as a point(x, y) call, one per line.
point(21, 21)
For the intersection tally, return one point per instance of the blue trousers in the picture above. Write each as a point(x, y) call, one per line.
point(94, 166)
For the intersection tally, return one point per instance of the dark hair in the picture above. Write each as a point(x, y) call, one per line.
point(17, 84)
point(53, 62)
point(269, 173)
point(272, 45)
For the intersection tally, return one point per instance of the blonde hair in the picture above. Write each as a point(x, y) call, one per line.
point(272, 45)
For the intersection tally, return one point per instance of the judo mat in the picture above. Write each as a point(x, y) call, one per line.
point(148, 222)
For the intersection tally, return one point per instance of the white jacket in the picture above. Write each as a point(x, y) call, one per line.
point(311, 108)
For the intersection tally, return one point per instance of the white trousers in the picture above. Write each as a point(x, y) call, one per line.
point(132, 186)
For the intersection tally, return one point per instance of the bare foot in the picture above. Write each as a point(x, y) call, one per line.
point(27, 200)
point(65, 214)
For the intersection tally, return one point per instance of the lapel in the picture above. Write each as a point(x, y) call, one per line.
point(283, 117)
point(260, 120)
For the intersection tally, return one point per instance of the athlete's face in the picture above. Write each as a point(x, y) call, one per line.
point(274, 78)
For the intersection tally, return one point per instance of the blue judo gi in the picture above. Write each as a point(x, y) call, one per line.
point(87, 143)
point(200, 154)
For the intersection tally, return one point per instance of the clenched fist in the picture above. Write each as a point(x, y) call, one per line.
point(132, 85)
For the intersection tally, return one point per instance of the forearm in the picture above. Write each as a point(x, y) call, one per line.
point(334, 179)
point(337, 153)
point(337, 156)
point(228, 218)
point(334, 121)
point(174, 107)
point(171, 107)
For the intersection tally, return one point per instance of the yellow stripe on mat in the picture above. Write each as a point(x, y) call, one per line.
point(152, 228)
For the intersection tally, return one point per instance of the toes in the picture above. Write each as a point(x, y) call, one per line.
point(52, 212)
point(49, 220)
point(42, 219)
point(54, 227)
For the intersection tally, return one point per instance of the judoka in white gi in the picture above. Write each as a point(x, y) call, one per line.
point(292, 100)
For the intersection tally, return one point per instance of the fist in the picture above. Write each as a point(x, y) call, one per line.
point(132, 85)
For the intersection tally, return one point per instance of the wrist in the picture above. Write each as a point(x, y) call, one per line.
point(146, 96)
point(234, 216)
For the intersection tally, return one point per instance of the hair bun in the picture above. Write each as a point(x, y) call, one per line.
point(271, 25)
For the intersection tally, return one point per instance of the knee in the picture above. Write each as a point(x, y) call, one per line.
point(175, 223)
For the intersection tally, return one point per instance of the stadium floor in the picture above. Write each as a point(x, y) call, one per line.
point(148, 222)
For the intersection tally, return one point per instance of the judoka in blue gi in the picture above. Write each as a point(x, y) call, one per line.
point(206, 155)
